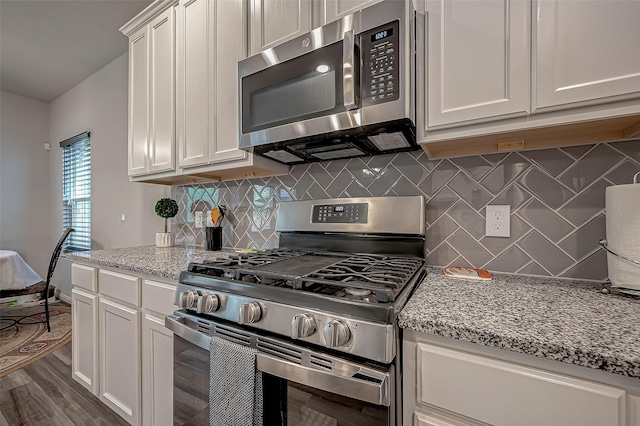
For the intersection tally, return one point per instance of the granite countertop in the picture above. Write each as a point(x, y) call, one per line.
point(568, 321)
point(166, 262)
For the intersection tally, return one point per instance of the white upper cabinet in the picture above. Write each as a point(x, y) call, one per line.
point(138, 101)
point(230, 16)
point(477, 61)
point(336, 9)
point(161, 64)
point(151, 89)
point(585, 52)
point(275, 21)
point(194, 94)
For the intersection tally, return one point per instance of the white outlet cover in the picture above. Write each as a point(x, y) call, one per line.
point(198, 217)
point(498, 221)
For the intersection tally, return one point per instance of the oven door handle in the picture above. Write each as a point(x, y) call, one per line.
point(362, 390)
point(349, 70)
point(177, 325)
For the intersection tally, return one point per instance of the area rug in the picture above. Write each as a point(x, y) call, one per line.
point(26, 343)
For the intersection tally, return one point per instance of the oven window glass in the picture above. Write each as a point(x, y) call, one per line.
point(309, 406)
point(190, 383)
point(302, 88)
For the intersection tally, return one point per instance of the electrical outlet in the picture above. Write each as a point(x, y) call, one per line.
point(498, 221)
point(198, 219)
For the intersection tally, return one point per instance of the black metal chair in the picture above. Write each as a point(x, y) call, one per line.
point(45, 293)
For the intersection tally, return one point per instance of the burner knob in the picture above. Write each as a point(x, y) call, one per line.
point(336, 333)
point(302, 325)
point(188, 299)
point(250, 313)
point(207, 303)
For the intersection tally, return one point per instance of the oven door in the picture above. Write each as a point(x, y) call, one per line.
point(318, 388)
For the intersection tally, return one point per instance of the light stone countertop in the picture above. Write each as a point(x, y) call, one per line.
point(567, 321)
point(150, 260)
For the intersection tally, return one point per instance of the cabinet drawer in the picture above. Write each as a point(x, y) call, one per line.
point(120, 286)
point(84, 277)
point(158, 297)
point(502, 393)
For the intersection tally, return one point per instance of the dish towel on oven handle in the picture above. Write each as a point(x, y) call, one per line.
point(235, 385)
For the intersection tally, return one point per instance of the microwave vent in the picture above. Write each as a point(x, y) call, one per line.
point(389, 141)
point(283, 156)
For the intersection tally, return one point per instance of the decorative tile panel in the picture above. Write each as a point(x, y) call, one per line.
point(556, 198)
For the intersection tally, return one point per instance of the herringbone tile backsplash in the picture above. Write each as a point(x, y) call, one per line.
point(556, 198)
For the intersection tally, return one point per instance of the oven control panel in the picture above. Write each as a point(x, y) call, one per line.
point(380, 59)
point(340, 213)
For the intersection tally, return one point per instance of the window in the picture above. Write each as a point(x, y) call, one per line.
point(76, 190)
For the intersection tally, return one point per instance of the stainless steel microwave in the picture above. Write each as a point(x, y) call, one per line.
point(343, 90)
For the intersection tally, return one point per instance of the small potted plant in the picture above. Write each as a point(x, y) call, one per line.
point(166, 208)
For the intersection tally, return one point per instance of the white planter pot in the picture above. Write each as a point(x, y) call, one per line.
point(164, 239)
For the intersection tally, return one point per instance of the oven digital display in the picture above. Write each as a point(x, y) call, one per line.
point(382, 34)
point(343, 213)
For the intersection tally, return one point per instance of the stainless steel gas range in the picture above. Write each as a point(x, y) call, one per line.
point(320, 310)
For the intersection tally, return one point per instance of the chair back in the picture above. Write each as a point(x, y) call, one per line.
point(56, 254)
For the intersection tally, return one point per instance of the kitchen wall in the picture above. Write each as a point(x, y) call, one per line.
point(99, 105)
point(556, 198)
point(24, 174)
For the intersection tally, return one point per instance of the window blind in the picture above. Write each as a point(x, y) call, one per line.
point(76, 190)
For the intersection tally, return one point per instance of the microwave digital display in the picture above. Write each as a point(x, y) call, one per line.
point(382, 34)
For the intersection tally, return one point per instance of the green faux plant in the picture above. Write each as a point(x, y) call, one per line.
point(166, 208)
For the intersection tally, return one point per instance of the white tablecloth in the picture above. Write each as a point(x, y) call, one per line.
point(15, 274)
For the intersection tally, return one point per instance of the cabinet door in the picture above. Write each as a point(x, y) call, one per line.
point(477, 61)
point(161, 64)
point(194, 77)
point(230, 47)
point(585, 51)
point(157, 368)
point(84, 339)
point(120, 380)
point(336, 9)
point(138, 102)
point(275, 21)
point(502, 393)
point(431, 419)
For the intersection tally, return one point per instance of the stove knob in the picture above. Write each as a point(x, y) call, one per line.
point(250, 313)
point(336, 333)
point(207, 303)
point(188, 299)
point(302, 325)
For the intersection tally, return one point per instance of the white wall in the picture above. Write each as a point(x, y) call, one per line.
point(99, 105)
point(25, 204)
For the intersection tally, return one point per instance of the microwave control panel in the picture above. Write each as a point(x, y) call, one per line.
point(379, 49)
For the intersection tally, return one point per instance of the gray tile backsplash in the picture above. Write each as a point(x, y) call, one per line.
point(556, 197)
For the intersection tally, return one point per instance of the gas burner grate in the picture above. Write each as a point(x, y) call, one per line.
point(359, 276)
point(228, 267)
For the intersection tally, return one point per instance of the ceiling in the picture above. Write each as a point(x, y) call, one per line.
point(48, 47)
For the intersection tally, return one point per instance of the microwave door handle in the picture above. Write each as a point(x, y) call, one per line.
point(348, 70)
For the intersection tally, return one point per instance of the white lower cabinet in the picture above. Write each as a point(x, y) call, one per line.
point(157, 354)
point(84, 339)
point(122, 352)
point(157, 372)
point(119, 329)
point(456, 388)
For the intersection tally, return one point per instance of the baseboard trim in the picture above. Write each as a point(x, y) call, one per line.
point(65, 298)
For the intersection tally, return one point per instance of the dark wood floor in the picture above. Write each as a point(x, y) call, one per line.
point(43, 393)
